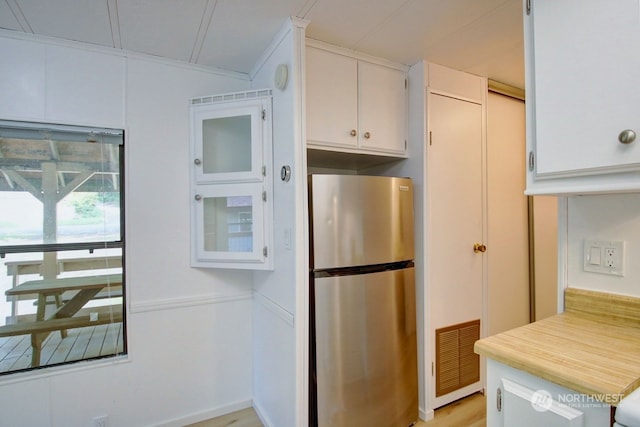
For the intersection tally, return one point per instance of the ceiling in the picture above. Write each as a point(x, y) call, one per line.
point(482, 37)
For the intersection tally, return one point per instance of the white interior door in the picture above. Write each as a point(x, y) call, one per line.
point(508, 225)
point(455, 218)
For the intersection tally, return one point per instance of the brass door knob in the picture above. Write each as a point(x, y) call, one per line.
point(478, 247)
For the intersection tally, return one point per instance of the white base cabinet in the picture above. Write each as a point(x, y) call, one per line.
point(353, 105)
point(518, 399)
point(582, 62)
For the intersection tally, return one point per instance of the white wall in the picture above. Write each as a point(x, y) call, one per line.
point(189, 330)
point(604, 217)
point(281, 296)
point(414, 167)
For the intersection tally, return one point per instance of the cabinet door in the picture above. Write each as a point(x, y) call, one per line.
point(229, 225)
point(227, 143)
point(382, 108)
point(586, 63)
point(332, 94)
point(517, 398)
point(525, 407)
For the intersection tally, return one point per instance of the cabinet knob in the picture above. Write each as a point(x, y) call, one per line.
point(197, 162)
point(478, 247)
point(627, 136)
point(367, 135)
point(353, 132)
point(197, 197)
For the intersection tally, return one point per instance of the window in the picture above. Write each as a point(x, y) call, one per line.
point(61, 243)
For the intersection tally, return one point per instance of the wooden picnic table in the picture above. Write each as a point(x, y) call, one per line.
point(18, 268)
point(62, 318)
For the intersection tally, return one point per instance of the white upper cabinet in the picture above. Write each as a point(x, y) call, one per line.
point(228, 141)
point(232, 181)
point(332, 99)
point(582, 67)
point(382, 108)
point(354, 105)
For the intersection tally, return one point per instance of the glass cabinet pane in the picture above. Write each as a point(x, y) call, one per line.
point(226, 144)
point(228, 224)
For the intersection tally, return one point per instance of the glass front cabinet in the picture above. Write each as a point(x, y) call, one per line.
point(232, 181)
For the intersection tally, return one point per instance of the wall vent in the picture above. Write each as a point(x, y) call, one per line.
point(235, 96)
point(456, 363)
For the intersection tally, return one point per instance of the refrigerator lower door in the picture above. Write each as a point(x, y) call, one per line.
point(366, 355)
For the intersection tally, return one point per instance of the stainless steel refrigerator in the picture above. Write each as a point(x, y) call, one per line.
point(363, 354)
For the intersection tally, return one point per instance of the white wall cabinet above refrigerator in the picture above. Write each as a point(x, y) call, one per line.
point(232, 181)
point(354, 105)
point(582, 66)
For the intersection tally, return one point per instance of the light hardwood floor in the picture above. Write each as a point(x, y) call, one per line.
point(245, 418)
point(467, 412)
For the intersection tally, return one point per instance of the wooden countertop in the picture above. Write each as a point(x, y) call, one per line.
point(592, 348)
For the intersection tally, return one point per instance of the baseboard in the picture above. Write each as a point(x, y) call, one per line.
point(426, 415)
point(207, 415)
point(264, 419)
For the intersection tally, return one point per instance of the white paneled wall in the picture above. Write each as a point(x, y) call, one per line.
point(189, 330)
point(23, 79)
point(604, 217)
point(281, 301)
point(84, 87)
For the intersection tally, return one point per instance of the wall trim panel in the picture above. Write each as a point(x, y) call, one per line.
point(174, 303)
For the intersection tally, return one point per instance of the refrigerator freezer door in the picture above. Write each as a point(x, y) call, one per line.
point(360, 220)
point(366, 356)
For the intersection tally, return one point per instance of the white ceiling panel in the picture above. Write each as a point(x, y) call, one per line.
point(7, 19)
point(345, 23)
point(86, 21)
point(427, 24)
point(507, 66)
point(478, 36)
point(166, 28)
point(227, 41)
point(497, 42)
point(458, 15)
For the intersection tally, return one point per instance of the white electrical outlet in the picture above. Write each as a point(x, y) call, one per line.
point(101, 421)
point(605, 257)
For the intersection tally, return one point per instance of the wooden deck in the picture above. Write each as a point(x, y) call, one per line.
point(80, 343)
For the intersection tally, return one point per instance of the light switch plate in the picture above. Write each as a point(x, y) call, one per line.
point(604, 256)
